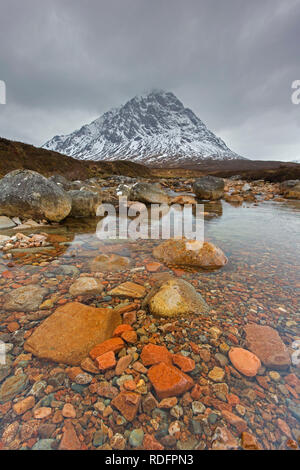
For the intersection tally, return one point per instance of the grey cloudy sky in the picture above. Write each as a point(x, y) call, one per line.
point(232, 62)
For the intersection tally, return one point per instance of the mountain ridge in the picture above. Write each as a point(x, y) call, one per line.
point(154, 129)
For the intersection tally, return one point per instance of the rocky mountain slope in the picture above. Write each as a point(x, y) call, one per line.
point(154, 129)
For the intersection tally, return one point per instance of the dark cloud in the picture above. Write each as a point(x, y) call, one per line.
point(67, 61)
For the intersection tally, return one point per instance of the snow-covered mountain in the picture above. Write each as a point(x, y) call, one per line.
point(153, 129)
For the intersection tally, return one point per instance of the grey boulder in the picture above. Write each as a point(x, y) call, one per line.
point(27, 194)
point(209, 188)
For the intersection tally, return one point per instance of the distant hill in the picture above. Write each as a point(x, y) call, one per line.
point(154, 129)
point(16, 155)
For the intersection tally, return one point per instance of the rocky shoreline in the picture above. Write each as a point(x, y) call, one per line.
point(148, 356)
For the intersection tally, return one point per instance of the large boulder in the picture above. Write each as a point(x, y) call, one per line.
point(175, 297)
point(148, 193)
point(290, 189)
point(69, 334)
point(209, 187)
point(84, 203)
point(61, 181)
point(184, 252)
point(27, 194)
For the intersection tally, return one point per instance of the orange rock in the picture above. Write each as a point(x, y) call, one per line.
point(127, 403)
point(186, 364)
point(284, 428)
point(70, 439)
point(129, 289)
point(121, 328)
point(168, 381)
point(73, 372)
point(106, 361)
point(129, 336)
point(244, 361)
point(13, 326)
point(234, 420)
point(183, 252)
point(43, 412)
point(126, 308)
point(150, 443)
point(129, 318)
point(89, 366)
point(113, 344)
point(249, 442)
point(266, 343)
point(24, 405)
point(68, 335)
point(153, 267)
point(122, 364)
point(153, 354)
point(69, 411)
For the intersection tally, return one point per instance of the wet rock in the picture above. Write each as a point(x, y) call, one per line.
point(136, 438)
point(217, 374)
point(148, 193)
point(28, 194)
point(127, 403)
point(69, 439)
point(112, 344)
point(110, 263)
point(6, 222)
point(128, 289)
point(186, 364)
point(84, 203)
point(209, 187)
point(106, 361)
point(24, 405)
point(224, 440)
point(168, 381)
point(80, 329)
point(234, 420)
point(12, 387)
point(44, 444)
point(24, 299)
point(290, 189)
point(184, 252)
point(244, 361)
point(175, 297)
point(154, 354)
point(266, 343)
point(86, 286)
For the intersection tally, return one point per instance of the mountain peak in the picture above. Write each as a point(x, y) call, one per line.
point(153, 128)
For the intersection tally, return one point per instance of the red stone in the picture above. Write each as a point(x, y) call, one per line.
point(113, 344)
point(129, 337)
point(168, 381)
point(127, 403)
point(150, 443)
point(186, 364)
point(235, 421)
point(249, 442)
point(266, 343)
point(129, 318)
point(106, 361)
point(70, 439)
point(244, 361)
point(153, 354)
point(121, 328)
